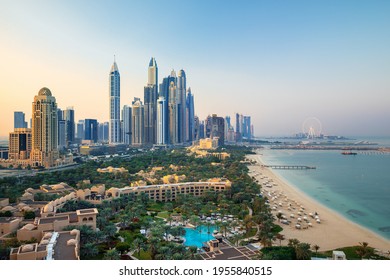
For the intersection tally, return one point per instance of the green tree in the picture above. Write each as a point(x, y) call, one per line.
point(364, 251)
point(122, 247)
point(88, 251)
point(112, 254)
point(303, 251)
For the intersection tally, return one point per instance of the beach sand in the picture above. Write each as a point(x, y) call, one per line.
point(333, 231)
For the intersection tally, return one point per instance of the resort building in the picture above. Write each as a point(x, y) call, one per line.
point(208, 143)
point(57, 222)
point(111, 169)
point(62, 245)
point(169, 192)
point(8, 225)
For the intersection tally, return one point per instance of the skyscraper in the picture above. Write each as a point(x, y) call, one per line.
point(103, 132)
point(44, 129)
point(173, 115)
point(246, 127)
point(181, 106)
point(137, 123)
point(68, 116)
point(80, 129)
point(126, 124)
point(19, 120)
point(161, 121)
point(91, 130)
point(150, 103)
point(215, 127)
point(196, 128)
point(114, 86)
point(190, 116)
point(164, 92)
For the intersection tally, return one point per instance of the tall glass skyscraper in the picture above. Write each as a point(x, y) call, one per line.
point(150, 103)
point(19, 121)
point(181, 105)
point(126, 124)
point(115, 123)
point(190, 116)
point(161, 121)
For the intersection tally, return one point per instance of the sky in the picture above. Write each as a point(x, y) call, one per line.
point(281, 62)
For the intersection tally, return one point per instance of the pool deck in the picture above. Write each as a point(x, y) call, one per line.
point(227, 252)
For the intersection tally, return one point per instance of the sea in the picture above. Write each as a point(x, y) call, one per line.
point(355, 186)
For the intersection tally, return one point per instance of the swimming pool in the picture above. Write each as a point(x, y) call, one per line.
point(195, 237)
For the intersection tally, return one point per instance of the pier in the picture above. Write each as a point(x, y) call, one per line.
point(292, 167)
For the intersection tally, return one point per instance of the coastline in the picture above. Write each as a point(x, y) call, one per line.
point(333, 231)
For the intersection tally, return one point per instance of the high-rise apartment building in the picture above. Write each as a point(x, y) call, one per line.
point(196, 128)
point(161, 121)
point(19, 120)
point(246, 127)
point(126, 124)
point(114, 90)
point(137, 123)
point(164, 92)
point(44, 130)
point(19, 144)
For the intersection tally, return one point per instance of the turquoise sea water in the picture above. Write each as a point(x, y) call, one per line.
point(195, 237)
point(357, 187)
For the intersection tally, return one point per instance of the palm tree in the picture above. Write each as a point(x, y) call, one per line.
point(293, 243)
point(89, 250)
point(302, 251)
point(316, 248)
point(139, 244)
point(279, 216)
point(112, 254)
point(364, 251)
point(280, 237)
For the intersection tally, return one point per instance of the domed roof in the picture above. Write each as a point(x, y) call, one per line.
point(71, 242)
point(30, 190)
point(8, 208)
point(48, 235)
point(27, 248)
point(74, 232)
point(26, 194)
point(44, 242)
point(29, 227)
point(48, 208)
point(62, 199)
point(44, 91)
point(58, 187)
point(27, 208)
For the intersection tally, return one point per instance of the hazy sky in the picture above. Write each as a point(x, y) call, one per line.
point(278, 61)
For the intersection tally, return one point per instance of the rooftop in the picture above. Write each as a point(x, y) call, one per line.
point(62, 250)
point(231, 253)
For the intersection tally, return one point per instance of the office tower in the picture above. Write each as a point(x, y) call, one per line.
point(44, 129)
point(114, 85)
point(19, 144)
point(246, 129)
point(207, 127)
point(173, 115)
point(190, 115)
point(80, 129)
point(137, 123)
point(126, 124)
point(19, 121)
point(103, 132)
point(68, 116)
point(91, 130)
point(181, 106)
point(252, 131)
point(196, 128)
point(161, 121)
point(215, 127)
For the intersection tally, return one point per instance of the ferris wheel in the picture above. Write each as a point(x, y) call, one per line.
point(312, 128)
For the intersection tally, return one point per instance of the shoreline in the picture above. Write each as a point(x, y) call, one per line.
point(334, 231)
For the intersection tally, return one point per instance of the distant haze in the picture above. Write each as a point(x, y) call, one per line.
point(277, 61)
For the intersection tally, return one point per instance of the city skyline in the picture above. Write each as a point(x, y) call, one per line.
point(279, 64)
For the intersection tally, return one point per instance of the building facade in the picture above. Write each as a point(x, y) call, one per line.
point(19, 120)
point(137, 122)
point(126, 124)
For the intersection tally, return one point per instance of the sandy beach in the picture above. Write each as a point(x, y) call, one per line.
point(318, 224)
